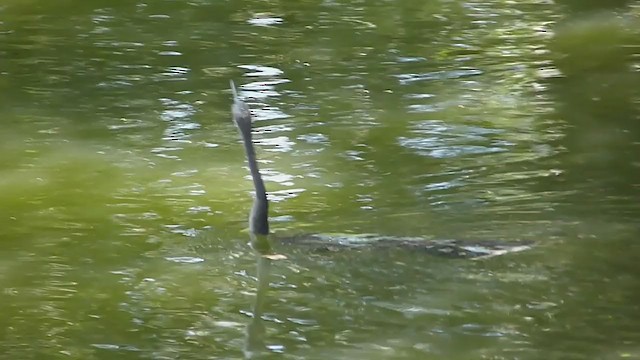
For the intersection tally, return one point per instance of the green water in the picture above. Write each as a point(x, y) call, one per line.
point(124, 193)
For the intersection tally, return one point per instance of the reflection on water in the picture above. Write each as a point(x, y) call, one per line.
point(123, 192)
point(255, 340)
point(439, 140)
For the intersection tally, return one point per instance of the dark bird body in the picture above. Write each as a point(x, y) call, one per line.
point(259, 218)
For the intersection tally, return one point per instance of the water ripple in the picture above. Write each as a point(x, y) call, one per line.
point(438, 75)
point(261, 70)
point(441, 140)
point(278, 144)
point(265, 20)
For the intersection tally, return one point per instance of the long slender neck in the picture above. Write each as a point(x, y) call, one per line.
point(259, 216)
point(260, 204)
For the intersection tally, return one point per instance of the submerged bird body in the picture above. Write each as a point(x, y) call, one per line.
point(259, 218)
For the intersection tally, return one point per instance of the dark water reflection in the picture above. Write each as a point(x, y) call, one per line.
point(123, 193)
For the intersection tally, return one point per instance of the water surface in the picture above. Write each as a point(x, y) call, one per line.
point(124, 194)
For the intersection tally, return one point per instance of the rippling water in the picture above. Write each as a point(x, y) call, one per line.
point(123, 189)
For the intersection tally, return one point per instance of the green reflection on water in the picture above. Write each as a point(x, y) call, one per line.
point(123, 194)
